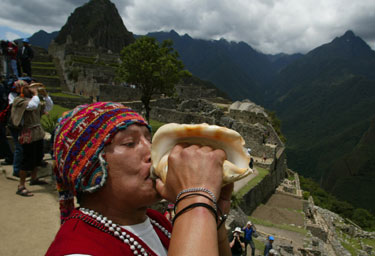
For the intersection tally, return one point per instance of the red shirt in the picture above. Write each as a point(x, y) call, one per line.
point(76, 236)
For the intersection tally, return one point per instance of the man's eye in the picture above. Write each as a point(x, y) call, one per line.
point(129, 144)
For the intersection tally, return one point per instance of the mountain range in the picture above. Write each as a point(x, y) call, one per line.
point(324, 98)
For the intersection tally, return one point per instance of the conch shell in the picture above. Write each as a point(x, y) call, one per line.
point(166, 137)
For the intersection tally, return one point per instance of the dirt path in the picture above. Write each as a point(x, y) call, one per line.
point(27, 224)
point(239, 184)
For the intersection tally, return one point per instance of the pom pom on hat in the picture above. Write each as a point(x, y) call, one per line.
point(80, 137)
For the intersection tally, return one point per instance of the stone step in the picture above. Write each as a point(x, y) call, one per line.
point(42, 58)
point(48, 81)
point(53, 89)
point(46, 71)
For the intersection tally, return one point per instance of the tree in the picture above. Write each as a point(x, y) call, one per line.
point(152, 67)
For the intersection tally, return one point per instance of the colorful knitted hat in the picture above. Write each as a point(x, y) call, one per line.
point(80, 137)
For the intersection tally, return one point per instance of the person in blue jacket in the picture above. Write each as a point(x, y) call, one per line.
point(249, 230)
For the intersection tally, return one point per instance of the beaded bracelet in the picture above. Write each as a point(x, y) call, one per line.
point(194, 194)
point(197, 190)
point(209, 207)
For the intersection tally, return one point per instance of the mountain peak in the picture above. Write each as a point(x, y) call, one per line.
point(348, 34)
point(96, 23)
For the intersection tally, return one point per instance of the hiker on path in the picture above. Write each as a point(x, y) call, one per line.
point(249, 230)
point(27, 111)
point(103, 158)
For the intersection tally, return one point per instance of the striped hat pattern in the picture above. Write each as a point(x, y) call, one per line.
point(79, 138)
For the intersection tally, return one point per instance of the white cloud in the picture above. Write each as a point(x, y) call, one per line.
point(11, 36)
point(270, 26)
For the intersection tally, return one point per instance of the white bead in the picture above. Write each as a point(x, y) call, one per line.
point(109, 222)
point(98, 218)
point(118, 229)
point(135, 243)
point(122, 237)
point(123, 233)
point(116, 233)
point(131, 239)
point(142, 250)
point(127, 236)
point(139, 246)
point(111, 229)
point(135, 253)
point(132, 247)
point(126, 241)
point(94, 216)
point(107, 225)
point(102, 221)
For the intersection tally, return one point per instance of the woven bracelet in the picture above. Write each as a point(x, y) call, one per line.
point(194, 194)
point(222, 220)
point(209, 207)
point(197, 190)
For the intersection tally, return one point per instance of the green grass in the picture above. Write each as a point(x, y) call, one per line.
point(252, 183)
point(49, 121)
point(280, 226)
point(155, 125)
point(258, 245)
point(44, 67)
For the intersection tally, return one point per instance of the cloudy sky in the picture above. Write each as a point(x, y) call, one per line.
point(270, 26)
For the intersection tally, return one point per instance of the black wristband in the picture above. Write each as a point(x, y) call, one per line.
point(209, 207)
point(194, 194)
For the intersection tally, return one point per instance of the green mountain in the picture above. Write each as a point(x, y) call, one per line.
point(42, 38)
point(352, 177)
point(326, 101)
point(235, 68)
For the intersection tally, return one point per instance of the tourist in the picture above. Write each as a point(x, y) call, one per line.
point(237, 243)
point(27, 110)
point(12, 52)
point(268, 247)
point(249, 230)
point(26, 55)
point(272, 252)
point(14, 131)
point(103, 158)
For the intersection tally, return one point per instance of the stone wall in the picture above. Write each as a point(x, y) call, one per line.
point(118, 93)
point(194, 92)
point(70, 102)
point(266, 187)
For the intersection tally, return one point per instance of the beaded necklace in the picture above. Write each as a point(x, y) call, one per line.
point(105, 225)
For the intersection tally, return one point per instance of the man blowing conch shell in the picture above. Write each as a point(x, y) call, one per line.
point(103, 159)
